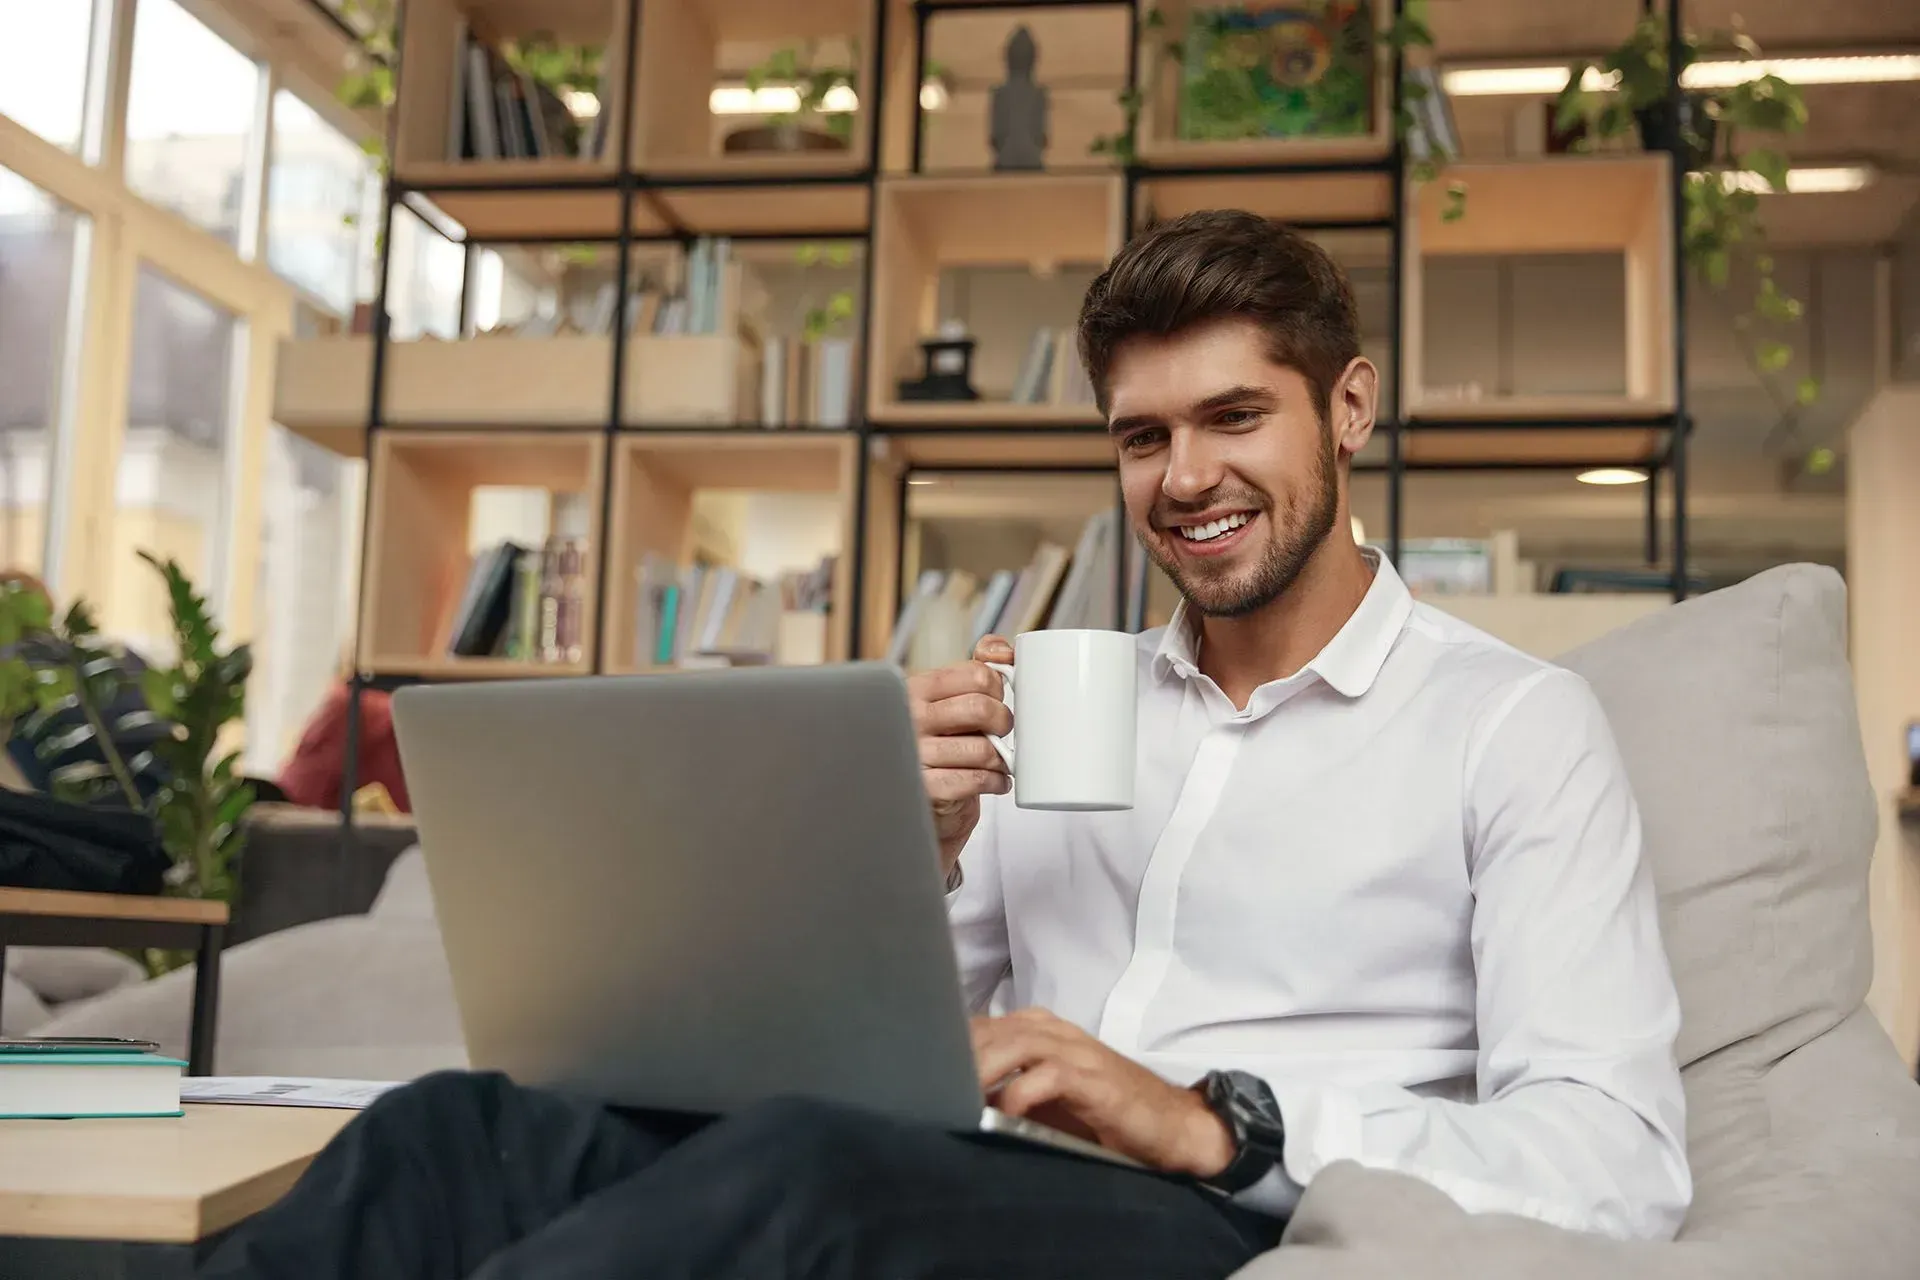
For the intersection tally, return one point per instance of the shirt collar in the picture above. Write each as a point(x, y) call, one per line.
point(1350, 662)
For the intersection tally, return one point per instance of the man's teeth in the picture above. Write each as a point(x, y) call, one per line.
point(1213, 529)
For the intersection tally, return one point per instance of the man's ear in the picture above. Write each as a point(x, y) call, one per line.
point(1356, 398)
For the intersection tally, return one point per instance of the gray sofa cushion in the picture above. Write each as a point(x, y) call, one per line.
point(1736, 715)
point(22, 1013)
point(364, 997)
point(61, 975)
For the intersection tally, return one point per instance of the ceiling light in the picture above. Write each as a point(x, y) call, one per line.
point(774, 100)
point(1879, 68)
point(1612, 475)
point(1486, 82)
point(1545, 81)
point(1825, 180)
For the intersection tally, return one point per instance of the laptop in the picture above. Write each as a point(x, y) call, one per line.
point(693, 891)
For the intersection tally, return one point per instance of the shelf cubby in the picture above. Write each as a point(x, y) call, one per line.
point(688, 45)
point(1159, 142)
point(657, 477)
point(418, 526)
point(506, 382)
point(434, 77)
point(1082, 64)
point(925, 225)
point(1613, 204)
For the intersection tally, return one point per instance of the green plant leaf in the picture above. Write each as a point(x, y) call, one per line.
point(1806, 391)
point(1773, 356)
point(1769, 164)
point(1455, 206)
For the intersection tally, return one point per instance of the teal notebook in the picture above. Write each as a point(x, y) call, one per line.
point(39, 1085)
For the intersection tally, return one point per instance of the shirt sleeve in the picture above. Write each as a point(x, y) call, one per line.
point(1580, 1119)
point(977, 911)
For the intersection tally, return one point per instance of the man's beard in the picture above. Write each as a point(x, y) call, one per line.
point(1295, 535)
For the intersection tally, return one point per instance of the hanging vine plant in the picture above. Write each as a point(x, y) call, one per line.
point(1722, 225)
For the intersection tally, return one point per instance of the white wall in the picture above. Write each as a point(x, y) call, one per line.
point(1883, 527)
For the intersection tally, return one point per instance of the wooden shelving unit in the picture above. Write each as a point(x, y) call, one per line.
point(647, 428)
point(1561, 204)
point(419, 509)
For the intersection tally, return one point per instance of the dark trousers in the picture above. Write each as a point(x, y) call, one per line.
point(468, 1175)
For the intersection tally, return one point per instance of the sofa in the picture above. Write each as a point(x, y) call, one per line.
point(1736, 716)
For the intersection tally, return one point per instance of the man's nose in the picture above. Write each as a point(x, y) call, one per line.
point(1193, 467)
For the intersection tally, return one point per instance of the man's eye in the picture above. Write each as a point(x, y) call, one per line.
point(1240, 417)
point(1140, 439)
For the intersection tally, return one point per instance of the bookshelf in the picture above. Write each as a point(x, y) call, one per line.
point(661, 431)
point(418, 553)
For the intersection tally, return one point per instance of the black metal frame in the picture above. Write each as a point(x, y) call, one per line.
point(204, 940)
point(631, 184)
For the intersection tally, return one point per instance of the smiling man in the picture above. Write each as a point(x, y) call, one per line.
point(1380, 899)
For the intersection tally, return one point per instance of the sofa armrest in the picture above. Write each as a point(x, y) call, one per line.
point(1823, 1180)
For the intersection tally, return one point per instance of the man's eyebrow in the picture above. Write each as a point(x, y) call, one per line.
point(1218, 400)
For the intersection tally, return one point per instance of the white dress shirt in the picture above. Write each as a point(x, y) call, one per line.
point(1403, 886)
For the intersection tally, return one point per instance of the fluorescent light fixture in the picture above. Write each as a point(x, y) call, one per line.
point(1613, 475)
point(1879, 68)
point(774, 99)
point(1821, 181)
point(1538, 81)
point(1488, 82)
point(781, 99)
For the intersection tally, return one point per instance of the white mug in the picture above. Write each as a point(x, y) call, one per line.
point(1073, 727)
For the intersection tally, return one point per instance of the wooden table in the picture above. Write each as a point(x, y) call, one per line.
point(102, 1197)
point(51, 918)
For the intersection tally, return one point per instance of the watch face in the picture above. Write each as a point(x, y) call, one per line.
point(1259, 1113)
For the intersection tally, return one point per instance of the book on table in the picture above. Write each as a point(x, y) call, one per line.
point(60, 1082)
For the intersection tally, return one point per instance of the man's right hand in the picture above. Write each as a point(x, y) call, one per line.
point(954, 709)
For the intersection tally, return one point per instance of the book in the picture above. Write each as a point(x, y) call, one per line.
point(289, 1091)
point(488, 602)
point(38, 1085)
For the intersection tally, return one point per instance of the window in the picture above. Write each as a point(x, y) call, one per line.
point(39, 247)
point(43, 66)
point(192, 111)
point(423, 279)
point(170, 491)
point(321, 190)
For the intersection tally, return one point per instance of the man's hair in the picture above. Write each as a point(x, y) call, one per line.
point(1221, 263)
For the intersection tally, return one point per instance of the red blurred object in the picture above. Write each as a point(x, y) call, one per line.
point(312, 776)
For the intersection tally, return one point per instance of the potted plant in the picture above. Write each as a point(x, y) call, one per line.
point(809, 126)
point(187, 780)
point(1726, 176)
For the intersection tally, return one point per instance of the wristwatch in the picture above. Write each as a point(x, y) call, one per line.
point(1248, 1108)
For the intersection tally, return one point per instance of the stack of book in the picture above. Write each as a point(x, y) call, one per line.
point(715, 615)
point(1051, 372)
point(498, 113)
point(950, 609)
point(807, 384)
point(72, 1079)
point(524, 604)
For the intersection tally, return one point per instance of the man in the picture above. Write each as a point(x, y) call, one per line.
point(1380, 899)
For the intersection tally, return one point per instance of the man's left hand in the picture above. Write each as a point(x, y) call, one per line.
point(1063, 1077)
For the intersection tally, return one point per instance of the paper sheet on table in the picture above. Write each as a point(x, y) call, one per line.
point(284, 1091)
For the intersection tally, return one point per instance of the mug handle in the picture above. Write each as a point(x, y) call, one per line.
point(1004, 745)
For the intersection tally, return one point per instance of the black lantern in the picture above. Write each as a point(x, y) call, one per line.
point(946, 368)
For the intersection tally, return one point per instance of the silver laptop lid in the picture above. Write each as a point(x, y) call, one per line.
point(693, 890)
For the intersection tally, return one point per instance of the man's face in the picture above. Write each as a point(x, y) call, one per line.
point(1228, 470)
